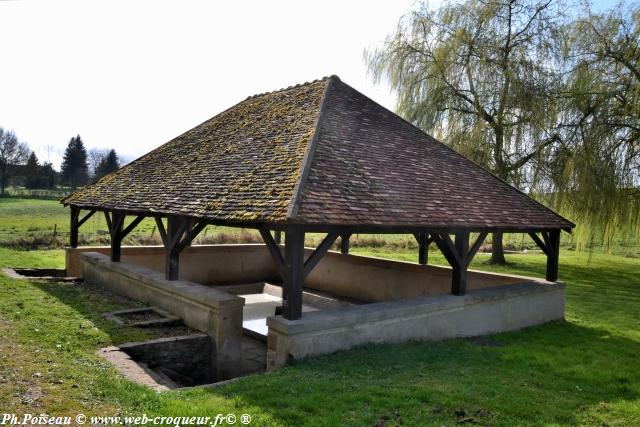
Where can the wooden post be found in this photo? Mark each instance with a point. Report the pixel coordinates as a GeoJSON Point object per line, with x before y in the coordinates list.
{"type": "Point", "coordinates": [424, 240]}
{"type": "Point", "coordinates": [277, 237]}
{"type": "Point", "coordinates": [553, 246]}
{"type": "Point", "coordinates": [179, 234]}
{"type": "Point", "coordinates": [73, 229]}
{"type": "Point", "coordinates": [115, 232]}
{"type": "Point", "coordinates": [459, 256]}
{"type": "Point", "coordinates": [293, 273]}
{"type": "Point", "coordinates": [550, 245]}
{"type": "Point", "coordinates": [176, 227]}
{"type": "Point", "coordinates": [293, 268]}
{"type": "Point", "coordinates": [344, 243]}
{"type": "Point", "coordinates": [459, 276]}
{"type": "Point", "coordinates": [423, 254]}
{"type": "Point", "coordinates": [423, 248]}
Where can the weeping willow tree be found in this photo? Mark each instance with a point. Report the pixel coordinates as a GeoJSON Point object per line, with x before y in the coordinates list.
{"type": "Point", "coordinates": [548, 102]}
{"type": "Point", "coordinates": [483, 77]}
{"type": "Point", "coordinates": [595, 175]}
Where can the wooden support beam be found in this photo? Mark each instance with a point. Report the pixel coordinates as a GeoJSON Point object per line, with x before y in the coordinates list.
{"type": "Point", "coordinates": [161, 230]}
{"type": "Point", "coordinates": [115, 223]}
{"type": "Point", "coordinates": [274, 250]}
{"type": "Point", "coordinates": [424, 240]}
{"type": "Point", "coordinates": [317, 255]}
{"type": "Point", "coordinates": [191, 232]}
{"type": "Point", "coordinates": [459, 275]}
{"type": "Point", "coordinates": [294, 273]}
{"type": "Point", "coordinates": [85, 218]}
{"type": "Point", "coordinates": [423, 251]}
{"type": "Point", "coordinates": [179, 234]}
{"type": "Point", "coordinates": [176, 228]}
{"type": "Point", "coordinates": [344, 243]}
{"type": "Point", "coordinates": [117, 231]}
{"type": "Point", "coordinates": [459, 256]}
{"type": "Point", "coordinates": [107, 218]}
{"type": "Point", "coordinates": [550, 245]}
{"type": "Point", "coordinates": [552, 241]}
{"type": "Point", "coordinates": [292, 267]}
{"type": "Point", "coordinates": [76, 223]}
{"type": "Point", "coordinates": [476, 246]}
{"type": "Point", "coordinates": [447, 247]}
{"type": "Point", "coordinates": [277, 237]}
{"type": "Point", "coordinates": [539, 242]}
{"type": "Point", "coordinates": [73, 226]}
{"type": "Point", "coordinates": [131, 226]}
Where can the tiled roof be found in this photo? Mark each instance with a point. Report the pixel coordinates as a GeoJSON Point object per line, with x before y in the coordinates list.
{"type": "Point", "coordinates": [317, 153]}
{"type": "Point", "coordinates": [242, 164]}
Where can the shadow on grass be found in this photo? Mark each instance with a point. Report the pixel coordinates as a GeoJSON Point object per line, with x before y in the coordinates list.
{"type": "Point", "coordinates": [92, 302]}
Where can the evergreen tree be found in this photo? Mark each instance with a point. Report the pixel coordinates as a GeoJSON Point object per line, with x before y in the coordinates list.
{"type": "Point", "coordinates": [32, 171]}
{"type": "Point", "coordinates": [108, 164]}
{"type": "Point", "coordinates": [48, 175]}
{"type": "Point", "coordinates": [74, 169]}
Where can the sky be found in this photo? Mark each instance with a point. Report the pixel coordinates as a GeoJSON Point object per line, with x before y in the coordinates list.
{"type": "Point", "coordinates": [131, 75]}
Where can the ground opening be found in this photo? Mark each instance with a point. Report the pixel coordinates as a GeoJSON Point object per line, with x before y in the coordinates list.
{"type": "Point", "coordinates": [180, 361]}
{"type": "Point", "coordinates": [55, 274]}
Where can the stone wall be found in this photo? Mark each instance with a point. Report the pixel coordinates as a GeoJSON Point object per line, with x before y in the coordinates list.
{"type": "Point", "coordinates": [479, 312]}
{"type": "Point", "coordinates": [362, 278]}
{"type": "Point", "coordinates": [217, 313]}
{"type": "Point", "coordinates": [188, 360]}
{"type": "Point", "coordinates": [205, 264]}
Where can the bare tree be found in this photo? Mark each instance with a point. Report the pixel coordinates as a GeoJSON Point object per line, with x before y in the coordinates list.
{"type": "Point", "coordinates": [94, 158]}
{"type": "Point", "coordinates": [12, 154]}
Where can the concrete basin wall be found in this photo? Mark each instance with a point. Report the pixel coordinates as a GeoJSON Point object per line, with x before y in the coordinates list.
{"type": "Point", "coordinates": [363, 278]}
{"type": "Point", "coordinates": [206, 264]}
{"type": "Point", "coordinates": [217, 313]}
{"type": "Point", "coordinates": [376, 279]}
{"type": "Point", "coordinates": [479, 312]}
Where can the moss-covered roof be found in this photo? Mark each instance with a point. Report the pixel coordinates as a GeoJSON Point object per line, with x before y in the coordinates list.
{"type": "Point", "coordinates": [242, 164]}
{"type": "Point", "coordinates": [316, 153]}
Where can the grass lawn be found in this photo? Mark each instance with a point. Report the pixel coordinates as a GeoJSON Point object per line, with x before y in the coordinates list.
{"type": "Point", "coordinates": [583, 371]}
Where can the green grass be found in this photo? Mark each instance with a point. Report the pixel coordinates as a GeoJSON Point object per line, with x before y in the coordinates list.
{"type": "Point", "coordinates": [30, 223]}
{"type": "Point", "coordinates": [583, 371]}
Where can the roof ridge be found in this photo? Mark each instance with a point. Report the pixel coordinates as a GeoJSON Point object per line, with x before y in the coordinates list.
{"type": "Point", "coordinates": [296, 197]}
{"type": "Point", "coordinates": [292, 87]}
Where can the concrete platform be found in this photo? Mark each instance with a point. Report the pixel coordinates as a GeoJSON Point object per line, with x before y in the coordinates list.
{"type": "Point", "coordinates": [258, 307]}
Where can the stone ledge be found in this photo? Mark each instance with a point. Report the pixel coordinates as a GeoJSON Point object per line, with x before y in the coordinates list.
{"type": "Point", "coordinates": [392, 310]}
{"type": "Point", "coordinates": [187, 290]}
{"type": "Point", "coordinates": [480, 312]}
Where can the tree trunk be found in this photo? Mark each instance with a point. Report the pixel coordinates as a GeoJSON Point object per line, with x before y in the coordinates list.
{"type": "Point", "coordinates": [497, 251]}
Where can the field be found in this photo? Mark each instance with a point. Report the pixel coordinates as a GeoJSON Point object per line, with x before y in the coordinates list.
{"type": "Point", "coordinates": [583, 371]}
